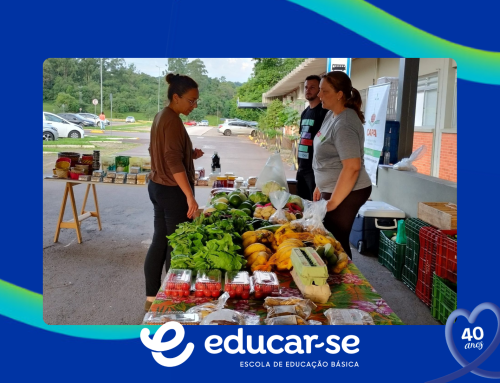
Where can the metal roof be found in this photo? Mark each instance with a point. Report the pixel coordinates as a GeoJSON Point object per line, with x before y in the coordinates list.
{"type": "Point", "coordinates": [251, 105]}
{"type": "Point", "coordinates": [297, 76]}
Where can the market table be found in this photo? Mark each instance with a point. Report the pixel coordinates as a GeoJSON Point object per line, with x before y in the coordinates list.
{"type": "Point", "coordinates": [75, 222]}
{"type": "Point", "coordinates": [350, 289]}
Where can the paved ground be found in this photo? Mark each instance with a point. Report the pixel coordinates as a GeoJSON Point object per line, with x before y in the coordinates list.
{"type": "Point", "coordinates": [101, 281]}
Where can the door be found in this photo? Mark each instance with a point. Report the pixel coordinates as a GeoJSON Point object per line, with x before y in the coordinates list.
{"type": "Point", "coordinates": [62, 126]}
{"type": "Point", "coordinates": [248, 129]}
{"type": "Point", "coordinates": [234, 127]}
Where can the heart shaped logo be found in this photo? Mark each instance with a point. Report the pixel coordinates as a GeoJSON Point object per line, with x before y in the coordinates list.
{"type": "Point", "coordinates": [471, 367]}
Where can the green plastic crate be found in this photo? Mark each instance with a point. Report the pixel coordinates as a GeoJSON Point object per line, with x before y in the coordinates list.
{"type": "Point", "coordinates": [391, 254]}
{"type": "Point", "coordinates": [444, 299]}
{"type": "Point", "coordinates": [410, 268]}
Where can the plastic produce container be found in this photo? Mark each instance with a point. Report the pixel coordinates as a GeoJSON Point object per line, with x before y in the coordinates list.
{"type": "Point", "coordinates": [444, 299]}
{"type": "Point", "coordinates": [391, 254]}
{"type": "Point", "coordinates": [265, 284]}
{"type": "Point", "coordinates": [208, 283]}
{"type": "Point", "coordinates": [427, 263]}
{"type": "Point", "coordinates": [237, 284]}
{"type": "Point", "coordinates": [177, 283]}
{"type": "Point", "coordinates": [412, 254]}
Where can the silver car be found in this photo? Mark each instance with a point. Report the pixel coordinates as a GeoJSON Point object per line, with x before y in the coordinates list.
{"type": "Point", "coordinates": [130, 119]}
{"type": "Point", "coordinates": [50, 133]}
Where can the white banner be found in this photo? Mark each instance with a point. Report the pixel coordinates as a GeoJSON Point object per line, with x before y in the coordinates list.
{"type": "Point", "coordinates": [375, 116]}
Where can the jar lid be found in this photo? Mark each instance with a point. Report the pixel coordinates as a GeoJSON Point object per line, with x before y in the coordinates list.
{"type": "Point", "coordinates": [231, 178]}
{"type": "Point", "coordinates": [221, 178]}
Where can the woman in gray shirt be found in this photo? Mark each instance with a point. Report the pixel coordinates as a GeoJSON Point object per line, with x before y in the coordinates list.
{"type": "Point", "coordinates": [338, 161]}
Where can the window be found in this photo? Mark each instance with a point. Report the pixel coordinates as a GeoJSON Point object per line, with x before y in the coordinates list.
{"type": "Point", "coordinates": [426, 105]}
{"type": "Point", "coordinates": [50, 117]}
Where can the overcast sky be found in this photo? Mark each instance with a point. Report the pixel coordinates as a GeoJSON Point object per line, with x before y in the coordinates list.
{"type": "Point", "coordinates": [237, 70]}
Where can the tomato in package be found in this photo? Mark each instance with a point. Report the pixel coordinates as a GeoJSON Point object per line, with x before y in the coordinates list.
{"type": "Point", "coordinates": [177, 283]}
{"type": "Point", "coordinates": [237, 284]}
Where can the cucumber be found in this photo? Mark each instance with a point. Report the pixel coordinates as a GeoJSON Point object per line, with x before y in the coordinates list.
{"type": "Point", "coordinates": [271, 228]}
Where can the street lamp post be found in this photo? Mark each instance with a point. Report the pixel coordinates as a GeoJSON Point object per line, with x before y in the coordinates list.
{"type": "Point", "coordinates": [158, 87]}
{"type": "Point", "coordinates": [101, 85]}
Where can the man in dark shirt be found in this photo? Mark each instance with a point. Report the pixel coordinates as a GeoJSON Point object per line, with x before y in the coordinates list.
{"type": "Point", "coordinates": [310, 124]}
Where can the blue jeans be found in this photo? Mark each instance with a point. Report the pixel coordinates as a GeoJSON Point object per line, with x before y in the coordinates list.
{"type": "Point", "coordinates": [102, 125]}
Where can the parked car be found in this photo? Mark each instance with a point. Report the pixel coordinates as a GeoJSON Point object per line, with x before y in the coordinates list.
{"type": "Point", "coordinates": [93, 117]}
{"type": "Point", "coordinates": [203, 123]}
{"type": "Point", "coordinates": [49, 132]}
{"type": "Point", "coordinates": [190, 123]}
{"type": "Point", "coordinates": [63, 126]}
{"type": "Point", "coordinates": [237, 127]}
{"type": "Point", "coordinates": [130, 119]}
{"type": "Point", "coordinates": [76, 119]}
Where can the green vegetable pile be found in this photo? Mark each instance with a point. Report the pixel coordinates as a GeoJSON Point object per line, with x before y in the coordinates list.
{"type": "Point", "coordinates": [211, 241]}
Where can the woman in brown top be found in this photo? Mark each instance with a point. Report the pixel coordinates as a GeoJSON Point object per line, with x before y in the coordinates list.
{"type": "Point", "coordinates": [171, 186]}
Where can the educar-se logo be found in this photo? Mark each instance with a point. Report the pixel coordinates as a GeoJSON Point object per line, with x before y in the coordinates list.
{"type": "Point", "coordinates": [238, 344]}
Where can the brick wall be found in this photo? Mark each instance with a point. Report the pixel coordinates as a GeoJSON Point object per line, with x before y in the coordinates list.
{"type": "Point", "coordinates": [448, 157]}
{"type": "Point", "coordinates": [424, 164]}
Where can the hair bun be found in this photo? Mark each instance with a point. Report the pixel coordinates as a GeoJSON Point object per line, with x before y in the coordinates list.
{"type": "Point", "coordinates": [170, 77]}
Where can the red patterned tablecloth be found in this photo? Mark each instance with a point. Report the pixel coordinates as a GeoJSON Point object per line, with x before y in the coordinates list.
{"type": "Point", "coordinates": [350, 289]}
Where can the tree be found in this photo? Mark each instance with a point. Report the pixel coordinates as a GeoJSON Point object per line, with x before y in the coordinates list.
{"type": "Point", "coordinates": [70, 103]}
{"type": "Point", "coordinates": [177, 66]}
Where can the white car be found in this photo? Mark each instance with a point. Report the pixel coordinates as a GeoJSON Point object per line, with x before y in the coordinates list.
{"type": "Point", "coordinates": [64, 127]}
{"type": "Point", "coordinates": [203, 123]}
{"type": "Point", "coordinates": [94, 118]}
{"type": "Point", "coordinates": [237, 127]}
{"type": "Point", "coordinates": [130, 119]}
{"type": "Point", "coordinates": [50, 133]}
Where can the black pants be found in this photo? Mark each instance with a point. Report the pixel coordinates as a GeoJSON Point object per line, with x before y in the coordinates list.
{"type": "Point", "coordinates": [339, 221]}
{"type": "Point", "coordinates": [305, 184]}
{"type": "Point", "coordinates": [170, 209]}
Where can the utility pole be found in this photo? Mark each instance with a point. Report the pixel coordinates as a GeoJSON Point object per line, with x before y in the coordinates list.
{"type": "Point", "coordinates": [158, 87]}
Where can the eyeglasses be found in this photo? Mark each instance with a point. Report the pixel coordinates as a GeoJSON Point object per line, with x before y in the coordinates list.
{"type": "Point", "coordinates": [192, 102]}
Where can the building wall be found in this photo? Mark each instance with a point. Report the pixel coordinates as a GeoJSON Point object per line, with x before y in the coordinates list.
{"type": "Point", "coordinates": [405, 190]}
{"type": "Point", "coordinates": [448, 161]}
{"type": "Point", "coordinates": [424, 164]}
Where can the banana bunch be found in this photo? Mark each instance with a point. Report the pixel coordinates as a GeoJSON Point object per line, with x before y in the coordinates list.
{"type": "Point", "coordinates": [286, 232]}
{"type": "Point", "coordinates": [254, 247]}
{"type": "Point", "coordinates": [281, 259]}
{"type": "Point", "coordinates": [320, 240]}
{"type": "Point", "coordinates": [341, 263]}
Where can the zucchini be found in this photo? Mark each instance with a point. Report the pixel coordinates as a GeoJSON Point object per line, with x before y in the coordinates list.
{"type": "Point", "coordinates": [272, 228]}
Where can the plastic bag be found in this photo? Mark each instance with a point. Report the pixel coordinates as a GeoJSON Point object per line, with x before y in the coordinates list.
{"type": "Point", "coordinates": [286, 320]}
{"type": "Point", "coordinates": [209, 307]}
{"type": "Point", "coordinates": [272, 177]}
{"type": "Point", "coordinates": [348, 317]}
{"type": "Point", "coordinates": [407, 163]}
{"type": "Point", "coordinates": [279, 199]}
{"type": "Point", "coordinates": [302, 311]}
{"type": "Point", "coordinates": [287, 301]}
{"type": "Point", "coordinates": [312, 221]}
{"type": "Point", "coordinates": [157, 319]}
{"type": "Point", "coordinates": [230, 317]}
{"type": "Point", "coordinates": [401, 235]}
